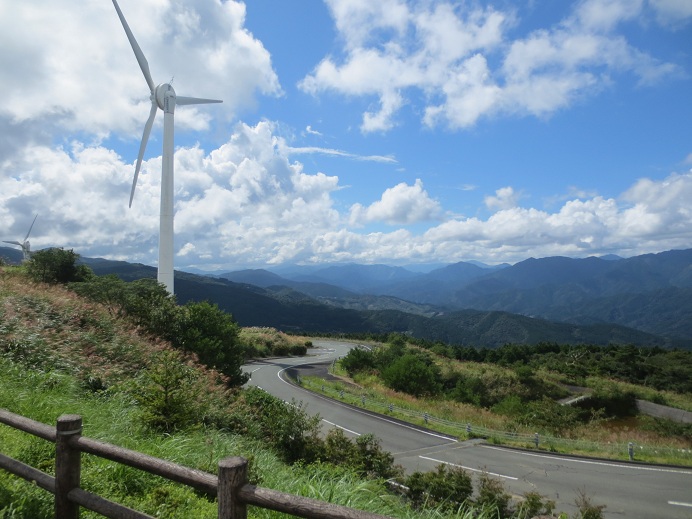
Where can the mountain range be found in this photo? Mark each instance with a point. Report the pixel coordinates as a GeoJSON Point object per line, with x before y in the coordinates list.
{"type": "Point", "coordinates": [644, 300]}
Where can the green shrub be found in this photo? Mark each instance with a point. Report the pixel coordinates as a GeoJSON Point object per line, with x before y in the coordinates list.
{"type": "Point", "coordinates": [446, 488]}
{"type": "Point", "coordinates": [533, 505]}
{"type": "Point", "coordinates": [492, 495]}
{"type": "Point", "coordinates": [57, 265]}
{"type": "Point", "coordinates": [374, 461]}
{"type": "Point", "coordinates": [212, 335]}
{"type": "Point", "coordinates": [411, 374]}
{"type": "Point", "coordinates": [365, 455]}
{"type": "Point", "coordinates": [358, 360]}
{"type": "Point", "coordinates": [292, 432]}
{"type": "Point", "coordinates": [280, 350]}
{"type": "Point", "coordinates": [170, 393]}
{"type": "Point", "coordinates": [298, 350]}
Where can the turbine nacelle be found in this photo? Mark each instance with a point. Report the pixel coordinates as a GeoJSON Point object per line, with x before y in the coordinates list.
{"type": "Point", "coordinates": [165, 97]}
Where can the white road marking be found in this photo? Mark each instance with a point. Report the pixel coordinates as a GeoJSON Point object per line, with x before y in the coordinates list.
{"type": "Point", "coordinates": [589, 462]}
{"type": "Point", "coordinates": [342, 428]}
{"type": "Point", "coordinates": [468, 468]}
{"type": "Point", "coordinates": [680, 503]}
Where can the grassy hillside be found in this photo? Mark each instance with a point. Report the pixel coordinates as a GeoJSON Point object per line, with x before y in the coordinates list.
{"type": "Point", "coordinates": [60, 353]}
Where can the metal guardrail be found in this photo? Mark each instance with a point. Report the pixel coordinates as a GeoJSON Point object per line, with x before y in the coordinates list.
{"type": "Point", "coordinates": [470, 430]}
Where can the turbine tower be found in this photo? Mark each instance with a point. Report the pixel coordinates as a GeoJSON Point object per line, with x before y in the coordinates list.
{"type": "Point", "coordinates": [25, 245]}
{"type": "Point", "coordinates": [164, 97]}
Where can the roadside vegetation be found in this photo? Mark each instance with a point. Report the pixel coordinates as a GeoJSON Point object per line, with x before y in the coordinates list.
{"type": "Point", "coordinates": [164, 379]}
{"type": "Point", "coordinates": [520, 388]}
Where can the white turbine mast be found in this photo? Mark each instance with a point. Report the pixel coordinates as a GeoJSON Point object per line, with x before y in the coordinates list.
{"type": "Point", "coordinates": [24, 244]}
{"type": "Point", "coordinates": [162, 96]}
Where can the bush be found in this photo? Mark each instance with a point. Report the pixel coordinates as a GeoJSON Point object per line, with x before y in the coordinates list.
{"type": "Point", "coordinates": [280, 350]}
{"type": "Point", "coordinates": [365, 455]}
{"type": "Point", "coordinates": [170, 393]}
{"type": "Point", "coordinates": [57, 265]}
{"type": "Point", "coordinates": [357, 360]}
{"type": "Point", "coordinates": [587, 510]}
{"type": "Point", "coordinates": [411, 374]}
{"type": "Point", "coordinates": [533, 505]}
{"type": "Point", "coordinates": [212, 335]}
{"type": "Point", "coordinates": [614, 401]}
{"type": "Point", "coordinates": [492, 495]}
{"type": "Point", "coordinates": [374, 461]}
{"type": "Point", "coordinates": [443, 487]}
{"type": "Point", "coordinates": [287, 427]}
{"type": "Point", "coordinates": [298, 350]}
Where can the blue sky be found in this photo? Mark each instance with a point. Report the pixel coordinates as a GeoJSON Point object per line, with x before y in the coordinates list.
{"type": "Point", "coordinates": [352, 131]}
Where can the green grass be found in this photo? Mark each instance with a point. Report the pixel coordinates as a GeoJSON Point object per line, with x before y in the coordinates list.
{"type": "Point", "coordinates": [607, 439]}
{"type": "Point", "coordinates": [112, 417]}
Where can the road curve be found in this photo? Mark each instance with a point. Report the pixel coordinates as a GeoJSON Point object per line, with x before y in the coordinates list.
{"type": "Point", "coordinates": [628, 490]}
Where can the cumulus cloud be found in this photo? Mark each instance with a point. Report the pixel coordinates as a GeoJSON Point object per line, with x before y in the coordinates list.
{"type": "Point", "coordinates": [465, 65]}
{"type": "Point", "coordinates": [92, 83]}
{"type": "Point", "coordinates": [505, 198]}
{"type": "Point", "coordinates": [399, 205]}
{"type": "Point", "coordinates": [247, 204]}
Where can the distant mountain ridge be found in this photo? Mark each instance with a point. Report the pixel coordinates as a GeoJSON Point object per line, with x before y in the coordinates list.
{"type": "Point", "coordinates": [643, 300]}
{"type": "Point", "coordinates": [652, 292]}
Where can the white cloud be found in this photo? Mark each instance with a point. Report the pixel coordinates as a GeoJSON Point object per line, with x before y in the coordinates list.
{"type": "Point", "coordinates": [399, 205]}
{"type": "Point", "coordinates": [247, 204]}
{"type": "Point", "coordinates": [302, 150]}
{"type": "Point", "coordinates": [672, 12]}
{"type": "Point", "coordinates": [73, 66]}
{"type": "Point", "coordinates": [505, 198]}
{"type": "Point", "coordinates": [604, 15]}
{"type": "Point", "coordinates": [465, 65]}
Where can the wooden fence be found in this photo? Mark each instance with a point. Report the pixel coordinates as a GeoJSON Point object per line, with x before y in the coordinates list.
{"type": "Point", "coordinates": [230, 487]}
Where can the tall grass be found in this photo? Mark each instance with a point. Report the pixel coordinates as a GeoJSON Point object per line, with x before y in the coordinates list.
{"type": "Point", "coordinates": [43, 396]}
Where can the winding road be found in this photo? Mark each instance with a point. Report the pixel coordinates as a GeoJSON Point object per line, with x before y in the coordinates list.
{"type": "Point", "coordinates": [628, 490]}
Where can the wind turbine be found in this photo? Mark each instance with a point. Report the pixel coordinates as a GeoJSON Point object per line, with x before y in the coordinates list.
{"type": "Point", "coordinates": [164, 97]}
{"type": "Point", "coordinates": [25, 245]}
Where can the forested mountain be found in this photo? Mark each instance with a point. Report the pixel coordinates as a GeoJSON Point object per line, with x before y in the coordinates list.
{"type": "Point", "coordinates": [291, 310]}
{"type": "Point", "coordinates": [652, 292]}
{"type": "Point", "coordinates": [643, 300]}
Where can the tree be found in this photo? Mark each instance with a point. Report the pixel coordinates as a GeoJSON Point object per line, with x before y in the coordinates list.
{"type": "Point", "coordinates": [57, 265]}
{"type": "Point", "coordinates": [170, 393]}
{"type": "Point", "coordinates": [149, 305]}
{"type": "Point", "coordinates": [411, 374]}
{"type": "Point", "coordinates": [358, 359]}
{"type": "Point", "coordinates": [212, 335]}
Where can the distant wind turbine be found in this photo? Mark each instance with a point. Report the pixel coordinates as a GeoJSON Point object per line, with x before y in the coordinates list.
{"type": "Point", "coordinates": [25, 245]}
{"type": "Point", "coordinates": [163, 97]}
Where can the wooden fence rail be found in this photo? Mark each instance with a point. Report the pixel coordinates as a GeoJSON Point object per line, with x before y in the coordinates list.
{"type": "Point", "coordinates": [231, 487]}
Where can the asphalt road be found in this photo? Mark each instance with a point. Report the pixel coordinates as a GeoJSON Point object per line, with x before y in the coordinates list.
{"type": "Point", "coordinates": [628, 490]}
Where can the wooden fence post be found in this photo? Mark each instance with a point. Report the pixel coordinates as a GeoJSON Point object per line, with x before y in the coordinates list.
{"type": "Point", "coordinates": [67, 465]}
{"type": "Point", "coordinates": [232, 476]}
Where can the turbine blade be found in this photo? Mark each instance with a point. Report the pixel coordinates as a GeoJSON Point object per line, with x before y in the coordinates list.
{"type": "Point", "coordinates": [143, 64]}
{"type": "Point", "coordinates": [183, 100]}
{"type": "Point", "coordinates": [13, 242]}
{"type": "Point", "coordinates": [32, 226]}
{"type": "Point", "coordinates": [143, 145]}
